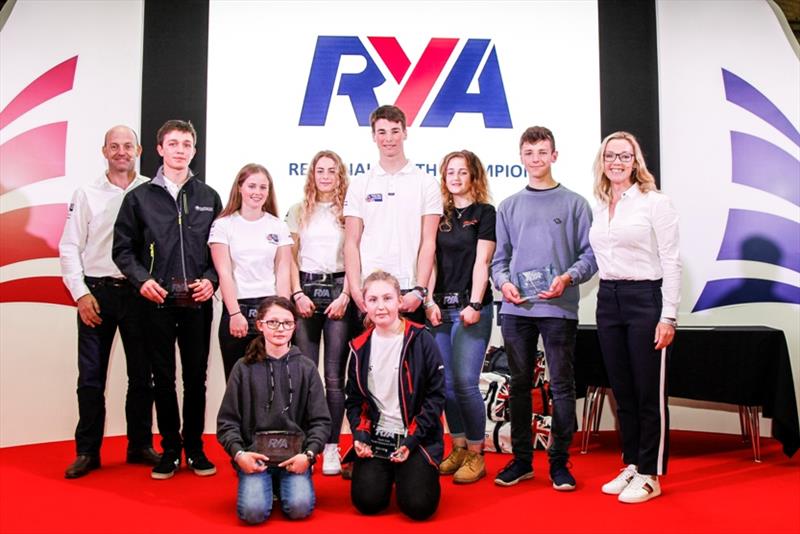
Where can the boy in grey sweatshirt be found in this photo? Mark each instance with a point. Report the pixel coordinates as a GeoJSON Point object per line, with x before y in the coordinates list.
{"type": "Point", "coordinates": [542, 255]}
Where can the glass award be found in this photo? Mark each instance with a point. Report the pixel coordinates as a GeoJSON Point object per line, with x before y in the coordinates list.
{"type": "Point", "coordinates": [384, 443]}
{"type": "Point", "coordinates": [278, 445]}
{"type": "Point", "coordinates": [250, 313]}
{"type": "Point", "coordinates": [322, 293]}
{"type": "Point", "coordinates": [533, 281]}
{"type": "Point", "coordinates": [179, 294]}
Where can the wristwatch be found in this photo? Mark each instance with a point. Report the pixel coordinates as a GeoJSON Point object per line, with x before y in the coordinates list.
{"type": "Point", "coordinates": [421, 292]}
{"type": "Point", "coordinates": [312, 458]}
{"type": "Point", "coordinates": [477, 306]}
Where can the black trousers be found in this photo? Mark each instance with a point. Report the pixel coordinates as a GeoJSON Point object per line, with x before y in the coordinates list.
{"type": "Point", "coordinates": [627, 315]}
{"type": "Point", "coordinates": [233, 348]}
{"type": "Point", "coordinates": [120, 307]}
{"type": "Point", "coordinates": [191, 328]}
{"type": "Point", "coordinates": [416, 480]}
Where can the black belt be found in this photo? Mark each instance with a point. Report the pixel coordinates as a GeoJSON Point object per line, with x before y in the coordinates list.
{"type": "Point", "coordinates": [109, 281]}
{"type": "Point", "coordinates": [631, 283]}
{"type": "Point", "coordinates": [451, 301]}
{"type": "Point", "coordinates": [320, 277]}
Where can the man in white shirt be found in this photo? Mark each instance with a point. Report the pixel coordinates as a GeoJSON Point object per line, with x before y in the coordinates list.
{"type": "Point", "coordinates": [106, 301]}
{"type": "Point", "coordinates": [391, 217]}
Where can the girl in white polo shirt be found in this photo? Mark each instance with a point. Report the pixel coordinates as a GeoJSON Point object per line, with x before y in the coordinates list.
{"type": "Point", "coordinates": [319, 287]}
{"type": "Point", "coordinates": [251, 250]}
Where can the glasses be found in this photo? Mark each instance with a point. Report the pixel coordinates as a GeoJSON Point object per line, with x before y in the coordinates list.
{"type": "Point", "coordinates": [274, 325]}
{"type": "Point", "coordinates": [624, 157]}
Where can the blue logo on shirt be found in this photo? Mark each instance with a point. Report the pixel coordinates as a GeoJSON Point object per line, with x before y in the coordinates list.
{"type": "Point", "coordinates": [374, 197]}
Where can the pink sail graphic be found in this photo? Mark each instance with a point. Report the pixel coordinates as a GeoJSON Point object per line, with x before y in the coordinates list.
{"type": "Point", "coordinates": [35, 155]}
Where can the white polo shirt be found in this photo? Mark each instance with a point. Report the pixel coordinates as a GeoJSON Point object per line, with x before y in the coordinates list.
{"type": "Point", "coordinates": [391, 207]}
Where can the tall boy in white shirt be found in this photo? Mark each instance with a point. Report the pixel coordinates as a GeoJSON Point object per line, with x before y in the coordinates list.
{"type": "Point", "coordinates": [391, 217]}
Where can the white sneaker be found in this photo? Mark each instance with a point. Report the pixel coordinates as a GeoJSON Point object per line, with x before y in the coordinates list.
{"type": "Point", "coordinates": [331, 465]}
{"type": "Point", "coordinates": [642, 488]}
{"type": "Point", "coordinates": [621, 482]}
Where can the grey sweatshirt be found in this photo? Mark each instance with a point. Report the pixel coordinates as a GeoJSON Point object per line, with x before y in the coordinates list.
{"type": "Point", "coordinates": [246, 406]}
{"type": "Point", "coordinates": [537, 228]}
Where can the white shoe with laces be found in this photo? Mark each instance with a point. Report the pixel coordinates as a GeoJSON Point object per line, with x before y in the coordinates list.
{"type": "Point", "coordinates": [642, 488]}
{"type": "Point", "coordinates": [615, 487]}
{"type": "Point", "coordinates": [331, 464]}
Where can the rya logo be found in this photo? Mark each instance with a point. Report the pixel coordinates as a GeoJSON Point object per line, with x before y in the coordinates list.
{"type": "Point", "coordinates": [477, 62]}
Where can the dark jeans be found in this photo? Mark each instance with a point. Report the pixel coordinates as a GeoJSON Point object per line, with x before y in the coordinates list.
{"type": "Point", "coordinates": [417, 483]}
{"type": "Point", "coordinates": [120, 307]}
{"type": "Point", "coordinates": [233, 348]}
{"type": "Point", "coordinates": [336, 335]}
{"type": "Point", "coordinates": [627, 315]}
{"type": "Point", "coordinates": [521, 336]}
{"type": "Point", "coordinates": [191, 327]}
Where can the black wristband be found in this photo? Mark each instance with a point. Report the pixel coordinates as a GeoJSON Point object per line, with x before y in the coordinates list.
{"type": "Point", "coordinates": [292, 298]}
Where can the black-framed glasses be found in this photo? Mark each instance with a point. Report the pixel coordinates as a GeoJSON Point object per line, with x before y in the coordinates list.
{"type": "Point", "coordinates": [624, 157]}
{"type": "Point", "coordinates": [274, 325]}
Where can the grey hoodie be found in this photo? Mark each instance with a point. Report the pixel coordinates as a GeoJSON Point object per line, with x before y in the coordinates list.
{"type": "Point", "coordinates": [250, 405]}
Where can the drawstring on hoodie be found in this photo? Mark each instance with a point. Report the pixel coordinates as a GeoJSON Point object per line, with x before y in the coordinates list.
{"type": "Point", "coordinates": [271, 375]}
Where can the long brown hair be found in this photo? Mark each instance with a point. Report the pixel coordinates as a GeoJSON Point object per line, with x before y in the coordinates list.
{"type": "Point", "coordinates": [257, 349]}
{"type": "Point", "coordinates": [640, 175]}
{"type": "Point", "coordinates": [479, 184]}
{"type": "Point", "coordinates": [310, 189]}
{"type": "Point", "coordinates": [235, 198]}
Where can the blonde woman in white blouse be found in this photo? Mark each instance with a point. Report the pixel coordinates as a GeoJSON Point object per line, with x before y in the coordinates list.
{"type": "Point", "coordinates": [634, 236]}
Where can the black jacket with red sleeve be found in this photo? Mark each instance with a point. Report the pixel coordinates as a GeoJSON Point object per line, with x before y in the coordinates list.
{"type": "Point", "coordinates": [420, 387]}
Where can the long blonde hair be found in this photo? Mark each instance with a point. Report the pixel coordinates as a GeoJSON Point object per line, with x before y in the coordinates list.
{"type": "Point", "coordinates": [640, 175]}
{"type": "Point", "coordinates": [310, 189]}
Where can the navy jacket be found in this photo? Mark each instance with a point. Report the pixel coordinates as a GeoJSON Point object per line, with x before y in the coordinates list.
{"type": "Point", "coordinates": [420, 386]}
{"type": "Point", "coordinates": [158, 237]}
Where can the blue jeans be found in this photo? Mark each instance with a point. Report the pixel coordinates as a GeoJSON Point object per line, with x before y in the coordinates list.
{"type": "Point", "coordinates": [337, 335]}
{"type": "Point", "coordinates": [521, 336]}
{"type": "Point", "coordinates": [463, 349]}
{"type": "Point", "coordinates": [254, 495]}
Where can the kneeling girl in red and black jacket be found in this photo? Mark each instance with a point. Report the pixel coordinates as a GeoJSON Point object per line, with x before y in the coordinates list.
{"type": "Point", "coordinates": [395, 397]}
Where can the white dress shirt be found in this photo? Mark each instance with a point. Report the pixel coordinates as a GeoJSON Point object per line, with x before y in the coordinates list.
{"type": "Point", "coordinates": [640, 243]}
{"type": "Point", "coordinates": [85, 247]}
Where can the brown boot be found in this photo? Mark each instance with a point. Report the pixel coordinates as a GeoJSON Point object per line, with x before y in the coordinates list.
{"type": "Point", "coordinates": [453, 462]}
{"type": "Point", "coordinates": [472, 470]}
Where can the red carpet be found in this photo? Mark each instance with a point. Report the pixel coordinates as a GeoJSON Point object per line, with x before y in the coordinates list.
{"type": "Point", "coordinates": [713, 486]}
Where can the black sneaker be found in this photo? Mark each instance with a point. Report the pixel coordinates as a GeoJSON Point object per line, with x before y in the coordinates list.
{"type": "Point", "coordinates": [201, 466]}
{"type": "Point", "coordinates": [168, 466]}
{"type": "Point", "coordinates": [514, 472]}
{"type": "Point", "coordinates": [147, 456]}
{"type": "Point", "coordinates": [561, 477]}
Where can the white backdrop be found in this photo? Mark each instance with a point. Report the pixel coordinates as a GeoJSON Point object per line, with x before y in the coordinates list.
{"type": "Point", "coordinates": [696, 121]}
{"type": "Point", "coordinates": [259, 63]}
{"type": "Point", "coordinates": [38, 342]}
